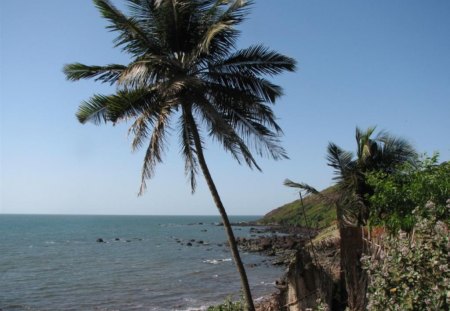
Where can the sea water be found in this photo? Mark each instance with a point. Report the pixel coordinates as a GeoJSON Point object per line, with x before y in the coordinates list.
{"type": "Point", "coordinates": [51, 262]}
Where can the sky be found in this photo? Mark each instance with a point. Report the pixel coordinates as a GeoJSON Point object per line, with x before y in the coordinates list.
{"type": "Point", "coordinates": [360, 63]}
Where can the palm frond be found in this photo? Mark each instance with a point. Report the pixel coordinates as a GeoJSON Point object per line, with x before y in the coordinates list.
{"type": "Point", "coordinates": [310, 190]}
{"type": "Point", "coordinates": [251, 84]}
{"type": "Point", "coordinates": [141, 130]}
{"type": "Point", "coordinates": [94, 109]}
{"type": "Point", "coordinates": [108, 73]}
{"type": "Point", "coordinates": [250, 118]}
{"type": "Point", "coordinates": [143, 10]}
{"type": "Point", "coordinates": [132, 36]}
{"type": "Point", "coordinates": [364, 142]}
{"type": "Point", "coordinates": [155, 148]}
{"type": "Point", "coordinates": [224, 133]}
{"type": "Point", "coordinates": [220, 35]}
{"type": "Point", "coordinates": [188, 150]}
{"type": "Point", "coordinates": [395, 151]}
{"type": "Point", "coordinates": [258, 136]}
{"type": "Point", "coordinates": [340, 160]}
{"type": "Point", "coordinates": [257, 60]}
{"type": "Point", "coordinates": [131, 103]}
{"type": "Point", "coordinates": [228, 100]}
{"type": "Point", "coordinates": [302, 186]}
{"type": "Point", "coordinates": [144, 71]}
{"type": "Point", "coordinates": [124, 104]}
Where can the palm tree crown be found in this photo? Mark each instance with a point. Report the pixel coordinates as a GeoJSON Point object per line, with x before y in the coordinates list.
{"type": "Point", "coordinates": [384, 152]}
{"type": "Point", "coordinates": [184, 60]}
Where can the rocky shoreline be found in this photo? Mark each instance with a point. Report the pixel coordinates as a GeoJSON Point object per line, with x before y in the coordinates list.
{"type": "Point", "coordinates": [310, 272]}
{"type": "Point", "coordinates": [279, 242]}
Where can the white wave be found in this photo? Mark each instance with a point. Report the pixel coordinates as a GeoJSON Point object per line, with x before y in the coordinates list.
{"type": "Point", "coordinates": [216, 261]}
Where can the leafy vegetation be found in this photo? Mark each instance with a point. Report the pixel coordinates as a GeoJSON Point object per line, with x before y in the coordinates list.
{"type": "Point", "coordinates": [382, 153]}
{"type": "Point", "coordinates": [228, 305]}
{"type": "Point", "coordinates": [413, 273]}
{"type": "Point", "coordinates": [396, 195]}
{"type": "Point", "coordinates": [320, 214]}
{"type": "Point", "coordinates": [411, 270]}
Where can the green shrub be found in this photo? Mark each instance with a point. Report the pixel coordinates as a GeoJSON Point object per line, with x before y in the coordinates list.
{"type": "Point", "coordinates": [397, 194]}
{"type": "Point", "coordinates": [413, 273]}
{"type": "Point", "coordinates": [229, 305]}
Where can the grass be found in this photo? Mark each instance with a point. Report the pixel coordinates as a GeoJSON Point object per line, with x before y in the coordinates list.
{"type": "Point", "coordinates": [228, 305]}
{"type": "Point", "coordinates": [319, 214]}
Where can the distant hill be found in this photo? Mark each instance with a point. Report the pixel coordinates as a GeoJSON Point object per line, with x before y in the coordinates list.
{"type": "Point", "coordinates": [318, 213]}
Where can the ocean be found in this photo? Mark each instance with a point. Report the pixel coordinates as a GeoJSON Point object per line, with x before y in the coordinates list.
{"type": "Point", "coordinates": [54, 262]}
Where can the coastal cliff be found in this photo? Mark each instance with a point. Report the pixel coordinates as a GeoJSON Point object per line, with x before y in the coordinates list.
{"type": "Point", "coordinates": [313, 275]}
{"type": "Point", "coordinates": [312, 267]}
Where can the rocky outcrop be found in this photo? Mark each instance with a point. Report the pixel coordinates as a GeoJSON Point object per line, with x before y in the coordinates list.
{"type": "Point", "coordinates": [282, 243]}
{"type": "Point", "coordinates": [283, 248]}
{"type": "Point", "coordinates": [315, 273]}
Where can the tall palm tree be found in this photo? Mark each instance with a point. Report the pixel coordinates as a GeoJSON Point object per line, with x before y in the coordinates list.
{"type": "Point", "coordinates": [185, 68]}
{"type": "Point", "coordinates": [383, 152]}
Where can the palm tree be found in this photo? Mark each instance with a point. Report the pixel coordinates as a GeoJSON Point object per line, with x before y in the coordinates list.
{"type": "Point", "coordinates": [381, 153]}
{"type": "Point", "coordinates": [185, 68]}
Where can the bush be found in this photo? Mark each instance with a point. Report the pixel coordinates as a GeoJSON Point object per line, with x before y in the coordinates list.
{"type": "Point", "coordinates": [413, 271]}
{"type": "Point", "coordinates": [397, 194]}
{"type": "Point", "coordinates": [229, 305]}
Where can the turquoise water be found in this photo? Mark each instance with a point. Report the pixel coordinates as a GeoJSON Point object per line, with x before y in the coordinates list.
{"type": "Point", "coordinates": [55, 263]}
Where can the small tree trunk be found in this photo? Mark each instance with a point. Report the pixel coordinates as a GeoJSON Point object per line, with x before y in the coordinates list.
{"type": "Point", "coordinates": [352, 247]}
{"type": "Point", "coordinates": [223, 214]}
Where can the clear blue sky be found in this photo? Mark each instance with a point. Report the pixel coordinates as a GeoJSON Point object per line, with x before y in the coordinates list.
{"type": "Point", "coordinates": [384, 63]}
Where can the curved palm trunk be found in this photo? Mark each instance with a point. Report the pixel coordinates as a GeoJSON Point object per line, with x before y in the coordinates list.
{"type": "Point", "coordinates": [226, 222]}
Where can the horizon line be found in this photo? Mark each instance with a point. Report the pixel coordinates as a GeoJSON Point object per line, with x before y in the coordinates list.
{"type": "Point", "coordinates": [162, 215]}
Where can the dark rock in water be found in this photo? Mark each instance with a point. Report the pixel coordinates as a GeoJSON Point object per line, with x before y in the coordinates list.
{"type": "Point", "coordinates": [116, 239]}
{"type": "Point", "coordinates": [220, 245]}
{"type": "Point", "coordinates": [255, 230]}
{"type": "Point", "coordinates": [193, 240]}
{"type": "Point", "coordinates": [189, 244]}
{"type": "Point", "coordinates": [283, 247]}
{"type": "Point", "coordinates": [100, 240]}
{"type": "Point", "coordinates": [200, 242]}
{"type": "Point", "coordinates": [200, 223]}
{"type": "Point", "coordinates": [128, 241]}
{"type": "Point", "coordinates": [203, 230]}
